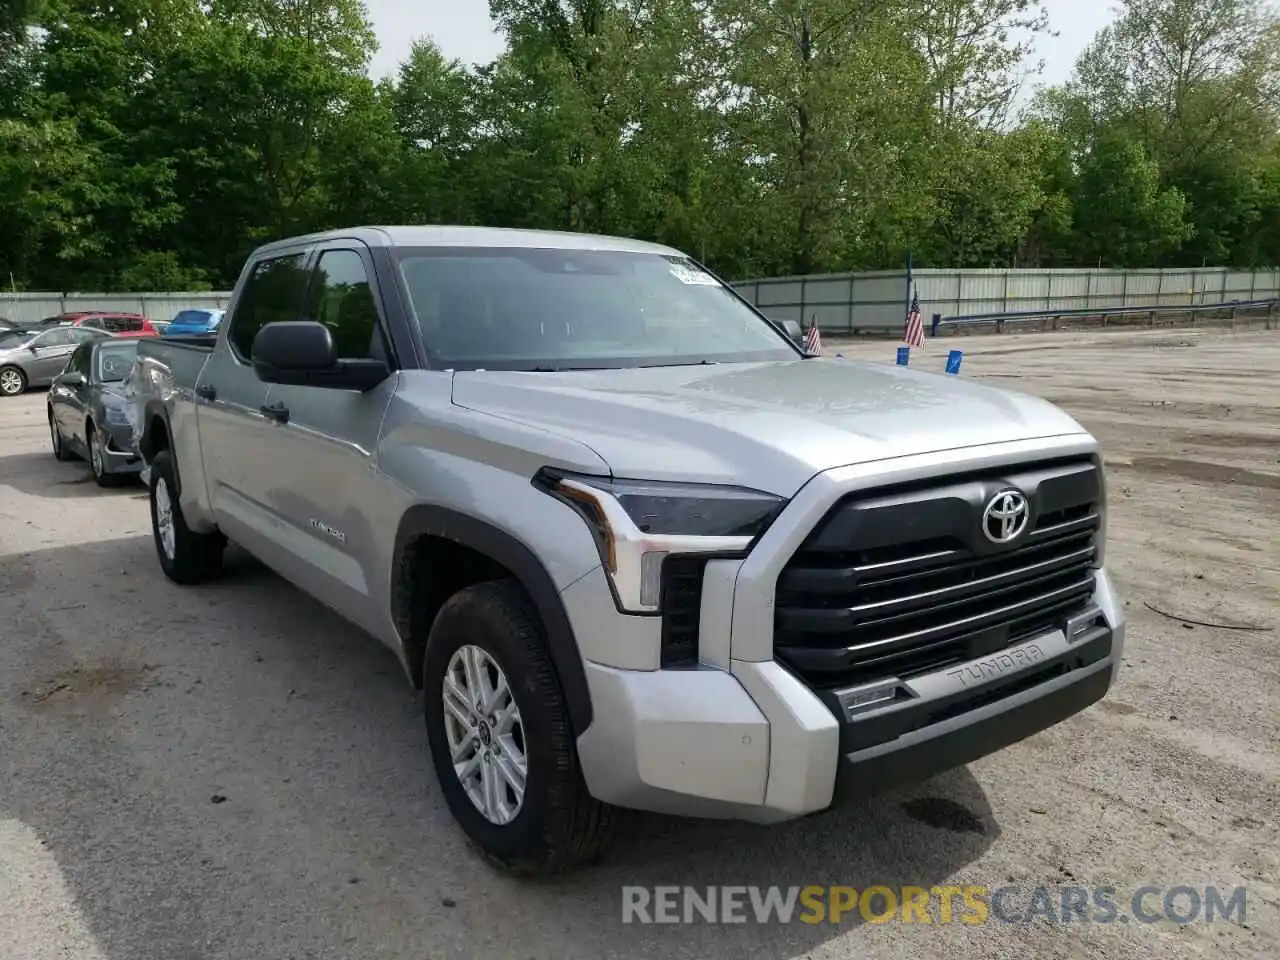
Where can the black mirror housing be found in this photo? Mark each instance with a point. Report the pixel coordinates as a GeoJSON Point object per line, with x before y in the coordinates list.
{"type": "Point", "coordinates": [299, 346]}
{"type": "Point", "coordinates": [302, 353]}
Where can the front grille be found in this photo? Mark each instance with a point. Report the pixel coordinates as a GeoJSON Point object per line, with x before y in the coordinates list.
{"type": "Point", "coordinates": [901, 581]}
{"type": "Point", "coordinates": [681, 609]}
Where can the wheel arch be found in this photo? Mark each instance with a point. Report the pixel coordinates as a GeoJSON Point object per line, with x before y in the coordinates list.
{"type": "Point", "coordinates": [157, 436]}
{"type": "Point", "coordinates": [423, 524]}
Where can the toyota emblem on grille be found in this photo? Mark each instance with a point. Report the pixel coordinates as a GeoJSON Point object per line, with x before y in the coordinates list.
{"type": "Point", "coordinates": [1005, 516]}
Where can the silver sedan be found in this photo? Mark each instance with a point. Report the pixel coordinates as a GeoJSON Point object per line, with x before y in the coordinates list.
{"type": "Point", "coordinates": [87, 415]}
{"type": "Point", "coordinates": [32, 358]}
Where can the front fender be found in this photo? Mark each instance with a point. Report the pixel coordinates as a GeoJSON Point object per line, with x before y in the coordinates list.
{"type": "Point", "coordinates": [483, 537]}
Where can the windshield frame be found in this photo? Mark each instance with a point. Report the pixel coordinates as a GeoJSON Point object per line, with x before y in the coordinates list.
{"type": "Point", "coordinates": [105, 346]}
{"type": "Point", "coordinates": [787, 349]}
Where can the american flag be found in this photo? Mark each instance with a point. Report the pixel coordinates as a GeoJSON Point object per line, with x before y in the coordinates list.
{"type": "Point", "coordinates": [813, 339]}
{"type": "Point", "coordinates": [914, 334]}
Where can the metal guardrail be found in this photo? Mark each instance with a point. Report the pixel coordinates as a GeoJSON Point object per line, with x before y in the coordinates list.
{"type": "Point", "coordinates": [1233, 309]}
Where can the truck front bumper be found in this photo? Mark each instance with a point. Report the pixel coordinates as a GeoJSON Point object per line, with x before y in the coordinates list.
{"type": "Point", "coordinates": [755, 743]}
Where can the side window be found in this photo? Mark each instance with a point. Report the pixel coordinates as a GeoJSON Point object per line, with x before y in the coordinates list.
{"type": "Point", "coordinates": [272, 294]}
{"type": "Point", "coordinates": [95, 323]}
{"type": "Point", "coordinates": [132, 323]}
{"type": "Point", "coordinates": [114, 324]}
{"type": "Point", "coordinates": [341, 299]}
{"type": "Point", "coordinates": [58, 337]}
{"type": "Point", "coordinates": [79, 362]}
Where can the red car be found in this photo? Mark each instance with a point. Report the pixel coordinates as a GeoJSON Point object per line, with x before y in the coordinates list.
{"type": "Point", "coordinates": [119, 324]}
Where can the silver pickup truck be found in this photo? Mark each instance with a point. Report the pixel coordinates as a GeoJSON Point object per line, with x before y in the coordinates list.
{"type": "Point", "coordinates": [635, 547]}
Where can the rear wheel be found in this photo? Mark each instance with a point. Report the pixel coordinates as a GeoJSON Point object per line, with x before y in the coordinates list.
{"type": "Point", "coordinates": [60, 451]}
{"type": "Point", "coordinates": [500, 738]}
{"type": "Point", "coordinates": [12, 381]}
{"type": "Point", "coordinates": [185, 556]}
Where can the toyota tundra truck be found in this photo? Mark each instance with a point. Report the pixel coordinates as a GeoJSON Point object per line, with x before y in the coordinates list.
{"type": "Point", "coordinates": [634, 546]}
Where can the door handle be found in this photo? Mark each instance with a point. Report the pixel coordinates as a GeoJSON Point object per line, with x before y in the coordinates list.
{"type": "Point", "coordinates": [275, 411]}
{"type": "Point", "coordinates": [206, 391]}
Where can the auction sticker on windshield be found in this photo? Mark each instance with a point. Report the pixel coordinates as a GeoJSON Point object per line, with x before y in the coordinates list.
{"type": "Point", "coordinates": [689, 274]}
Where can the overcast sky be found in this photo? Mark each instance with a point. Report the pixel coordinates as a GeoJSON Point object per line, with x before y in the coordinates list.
{"type": "Point", "coordinates": [462, 29]}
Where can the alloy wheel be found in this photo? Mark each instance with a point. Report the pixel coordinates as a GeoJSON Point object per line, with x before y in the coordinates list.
{"type": "Point", "coordinates": [485, 734]}
{"type": "Point", "coordinates": [164, 517]}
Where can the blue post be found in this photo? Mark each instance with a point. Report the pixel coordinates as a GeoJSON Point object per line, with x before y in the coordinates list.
{"type": "Point", "coordinates": [933, 327]}
{"type": "Point", "coordinates": [953, 361]}
{"type": "Point", "coordinates": [904, 355]}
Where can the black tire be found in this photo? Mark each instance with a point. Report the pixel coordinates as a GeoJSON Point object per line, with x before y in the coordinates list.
{"type": "Point", "coordinates": [559, 825]}
{"type": "Point", "coordinates": [195, 557]}
{"type": "Point", "coordinates": [60, 451]}
{"type": "Point", "coordinates": [13, 382]}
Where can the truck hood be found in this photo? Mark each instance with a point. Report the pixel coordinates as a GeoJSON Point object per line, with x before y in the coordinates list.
{"type": "Point", "coordinates": [770, 426]}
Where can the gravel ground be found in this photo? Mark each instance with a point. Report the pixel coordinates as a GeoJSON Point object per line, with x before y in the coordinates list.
{"type": "Point", "coordinates": [231, 772]}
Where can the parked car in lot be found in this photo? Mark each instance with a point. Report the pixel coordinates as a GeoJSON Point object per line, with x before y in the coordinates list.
{"type": "Point", "coordinates": [118, 324]}
{"type": "Point", "coordinates": [87, 416]}
{"type": "Point", "coordinates": [32, 358]}
{"type": "Point", "coordinates": [188, 322]}
{"type": "Point", "coordinates": [636, 548]}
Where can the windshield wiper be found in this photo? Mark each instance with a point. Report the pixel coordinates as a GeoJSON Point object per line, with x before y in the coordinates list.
{"type": "Point", "coordinates": [683, 363]}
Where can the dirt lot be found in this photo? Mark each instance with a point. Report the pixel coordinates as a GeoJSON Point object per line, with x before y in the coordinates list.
{"type": "Point", "coordinates": [230, 772]}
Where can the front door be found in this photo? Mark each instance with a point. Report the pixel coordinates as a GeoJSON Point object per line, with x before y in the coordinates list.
{"type": "Point", "coordinates": [49, 354]}
{"type": "Point", "coordinates": [329, 492]}
{"type": "Point", "coordinates": [68, 400]}
{"type": "Point", "coordinates": [237, 442]}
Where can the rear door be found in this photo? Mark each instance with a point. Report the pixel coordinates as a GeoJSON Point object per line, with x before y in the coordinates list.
{"type": "Point", "coordinates": [328, 491]}
{"type": "Point", "coordinates": [238, 444]}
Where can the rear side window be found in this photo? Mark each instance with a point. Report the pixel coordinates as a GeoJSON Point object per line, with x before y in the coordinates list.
{"type": "Point", "coordinates": [272, 294]}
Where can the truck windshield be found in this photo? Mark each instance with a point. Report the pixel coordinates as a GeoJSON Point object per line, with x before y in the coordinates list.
{"type": "Point", "coordinates": [537, 309]}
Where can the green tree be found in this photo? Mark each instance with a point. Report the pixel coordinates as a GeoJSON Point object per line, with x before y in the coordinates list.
{"type": "Point", "coordinates": [1123, 217]}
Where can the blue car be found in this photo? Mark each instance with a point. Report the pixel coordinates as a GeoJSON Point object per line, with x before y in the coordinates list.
{"type": "Point", "coordinates": [188, 322]}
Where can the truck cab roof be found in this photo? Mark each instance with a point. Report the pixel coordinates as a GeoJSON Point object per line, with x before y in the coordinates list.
{"type": "Point", "coordinates": [457, 236]}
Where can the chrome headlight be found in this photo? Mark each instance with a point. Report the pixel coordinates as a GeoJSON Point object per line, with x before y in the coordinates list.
{"type": "Point", "coordinates": [637, 524]}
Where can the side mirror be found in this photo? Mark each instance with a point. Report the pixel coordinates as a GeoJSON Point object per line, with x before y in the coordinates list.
{"type": "Point", "coordinates": [302, 353]}
{"type": "Point", "coordinates": [71, 379]}
{"type": "Point", "coordinates": [793, 330]}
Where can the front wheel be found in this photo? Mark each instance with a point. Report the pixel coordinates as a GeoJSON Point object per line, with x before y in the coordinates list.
{"type": "Point", "coordinates": [60, 451]}
{"type": "Point", "coordinates": [12, 382]}
{"type": "Point", "coordinates": [500, 738]}
{"type": "Point", "coordinates": [97, 445]}
{"type": "Point", "coordinates": [185, 556]}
